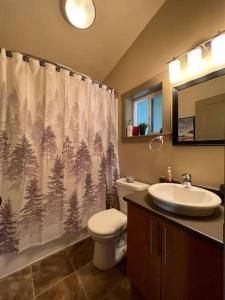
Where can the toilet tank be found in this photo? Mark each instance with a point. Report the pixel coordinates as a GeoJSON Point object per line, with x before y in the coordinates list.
{"type": "Point", "coordinates": [125, 188]}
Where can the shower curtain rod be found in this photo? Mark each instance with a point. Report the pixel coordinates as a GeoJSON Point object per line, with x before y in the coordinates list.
{"type": "Point", "coordinates": [58, 66]}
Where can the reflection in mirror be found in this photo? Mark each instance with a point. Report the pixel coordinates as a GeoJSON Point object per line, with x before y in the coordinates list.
{"type": "Point", "coordinates": [143, 112]}
{"type": "Point", "coordinates": [199, 110]}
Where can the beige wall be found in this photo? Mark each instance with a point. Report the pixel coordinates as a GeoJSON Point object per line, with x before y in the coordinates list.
{"type": "Point", "coordinates": [177, 27]}
{"type": "Point", "coordinates": [37, 27]}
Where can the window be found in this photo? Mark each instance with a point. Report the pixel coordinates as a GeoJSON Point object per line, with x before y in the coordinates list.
{"type": "Point", "coordinates": [142, 110]}
{"type": "Point", "coordinates": [157, 114]}
{"type": "Point", "coordinates": [148, 110]}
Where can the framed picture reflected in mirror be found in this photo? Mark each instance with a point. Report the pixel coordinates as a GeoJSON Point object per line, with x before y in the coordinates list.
{"type": "Point", "coordinates": [186, 129]}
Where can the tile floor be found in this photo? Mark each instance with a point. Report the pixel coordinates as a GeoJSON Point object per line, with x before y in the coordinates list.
{"type": "Point", "coordinates": [67, 275]}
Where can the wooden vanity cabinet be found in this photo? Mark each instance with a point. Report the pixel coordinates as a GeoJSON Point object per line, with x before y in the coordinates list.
{"type": "Point", "coordinates": [192, 267]}
{"type": "Point", "coordinates": [144, 252]}
{"type": "Point", "coordinates": [169, 263]}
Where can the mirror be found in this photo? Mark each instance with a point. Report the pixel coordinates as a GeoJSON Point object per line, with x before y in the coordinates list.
{"type": "Point", "coordinates": [199, 111]}
{"type": "Point", "coordinates": [142, 111]}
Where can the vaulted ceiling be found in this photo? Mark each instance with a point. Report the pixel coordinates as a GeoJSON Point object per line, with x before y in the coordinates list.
{"type": "Point", "coordinates": [37, 27]}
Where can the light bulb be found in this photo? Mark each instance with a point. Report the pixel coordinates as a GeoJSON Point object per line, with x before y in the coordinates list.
{"type": "Point", "coordinates": [195, 64]}
{"type": "Point", "coordinates": [218, 50]}
{"type": "Point", "coordinates": [80, 13]}
{"type": "Point", "coordinates": [174, 70]}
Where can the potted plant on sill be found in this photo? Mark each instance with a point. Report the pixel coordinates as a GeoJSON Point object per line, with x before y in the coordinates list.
{"type": "Point", "coordinates": [142, 127]}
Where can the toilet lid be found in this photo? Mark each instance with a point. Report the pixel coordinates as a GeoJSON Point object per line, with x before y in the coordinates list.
{"type": "Point", "coordinates": [107, 221]}
{"type": "Point", "coordinates": [136, 185]}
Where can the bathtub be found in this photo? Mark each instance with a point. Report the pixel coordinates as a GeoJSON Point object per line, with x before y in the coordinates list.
{"type": "Point", "coordinates": [13, 262]}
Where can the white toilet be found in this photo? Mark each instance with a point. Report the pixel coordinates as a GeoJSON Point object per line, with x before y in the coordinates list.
{"type": "Point", "coordinates": [107, 228]}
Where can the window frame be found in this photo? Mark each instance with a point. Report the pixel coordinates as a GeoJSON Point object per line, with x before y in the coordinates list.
{"type": "Point", "coordinates": [141, 91]}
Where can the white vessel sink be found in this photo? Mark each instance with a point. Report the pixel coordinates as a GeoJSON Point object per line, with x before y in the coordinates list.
{"type": "Point", "coordinates": [188, 201]}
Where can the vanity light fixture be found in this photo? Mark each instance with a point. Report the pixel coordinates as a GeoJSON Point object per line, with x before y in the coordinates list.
{"type": "Point", "coordinates": [194, 58]}
{"type": "Point", "coordinates": [79, 13]}
{"type": "Point", "coordinates": [195, 62]}
{"type": "Point", "coordinates": [174, 70]}
{"type": "Point", "coordinates": [218, 50]}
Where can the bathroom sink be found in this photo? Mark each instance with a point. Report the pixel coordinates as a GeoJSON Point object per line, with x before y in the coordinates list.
{"type": "Point", "coordinates": [188, 201]}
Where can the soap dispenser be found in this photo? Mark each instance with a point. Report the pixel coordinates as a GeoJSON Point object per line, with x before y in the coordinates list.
{"type": "Point", "coordinates": [129, 129]}
{"type": "Point", "coordinates": [169, 176]}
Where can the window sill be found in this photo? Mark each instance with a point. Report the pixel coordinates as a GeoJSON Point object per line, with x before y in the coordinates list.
{"type": "Point", "coordinates": [143, 138]}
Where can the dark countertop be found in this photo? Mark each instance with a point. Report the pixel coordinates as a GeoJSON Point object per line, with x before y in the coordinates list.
{"type": "Point", "coordinates": [210, 227]}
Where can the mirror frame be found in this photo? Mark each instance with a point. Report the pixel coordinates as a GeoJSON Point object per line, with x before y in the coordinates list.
{"type": "Point", "coordinates": [175, 91]}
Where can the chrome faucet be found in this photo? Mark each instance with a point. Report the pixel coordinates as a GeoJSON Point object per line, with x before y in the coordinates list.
{"type": "Point", "coordinates": [186, 180]}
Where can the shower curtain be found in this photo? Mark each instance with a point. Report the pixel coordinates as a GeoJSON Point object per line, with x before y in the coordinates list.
{"type": "Point", "coordinates": [58, 151]}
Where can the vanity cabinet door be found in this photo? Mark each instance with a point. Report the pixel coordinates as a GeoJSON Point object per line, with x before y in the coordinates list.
{"type": "Point", "coordinates": [192, 267]}
{"type": "Point", "coordinates": [144, 252]}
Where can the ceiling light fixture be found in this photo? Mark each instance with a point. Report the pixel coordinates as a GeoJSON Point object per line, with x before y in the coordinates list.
{"type": "Point", "coordinates": [79, 13]}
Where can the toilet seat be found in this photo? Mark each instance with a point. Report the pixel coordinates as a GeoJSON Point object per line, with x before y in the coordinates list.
{"type": "Point", "coordinates": [105, 238]}
{"type": "Point", "coordinates": [107, 222]}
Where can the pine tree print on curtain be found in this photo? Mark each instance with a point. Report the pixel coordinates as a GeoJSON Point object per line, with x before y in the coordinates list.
{"type": "Point", "coordinates": [55, 198]}
{"type": "Point", "coordinates": [98, 147]}
{"type": "Point", "coordinates": [74, 126]}
{"type": "Point", "coordinates": [82, 162]}
{"type": "Point", "coordinates": [112, 198]}
{"type": "Point", "coordinates": [37, 132]}
{"type": "Point", "coordinates": [68, 154]}
{"type": "Point", "coordinates": [90, 197]}
{"type": "Point", "coordinates": [73, 222]}
{"type": "Point", "coordinates": [111, 157]}
{"type": "Point", "coordinates": [32, 212]}
{"type": "Point", "coordinates": [101, 187]}
{"type": "Point", "coordinates": [49, 143]}
{"type": "Point", "coordinates": [8, 229]}
{"type": "Point", "coordinates": [4, 149]}
{"type": "Point", "coordinates": [23, 163]}
{"type": "Point", "coordinates": [58, 152]}
{"type": "Point", "coordinates": [13, 117]}
{"type": "Point", "coordinates": [112, 176]}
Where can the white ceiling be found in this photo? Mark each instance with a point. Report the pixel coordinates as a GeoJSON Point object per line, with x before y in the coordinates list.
{"type": "Point", "coordinates": [37, 27]}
